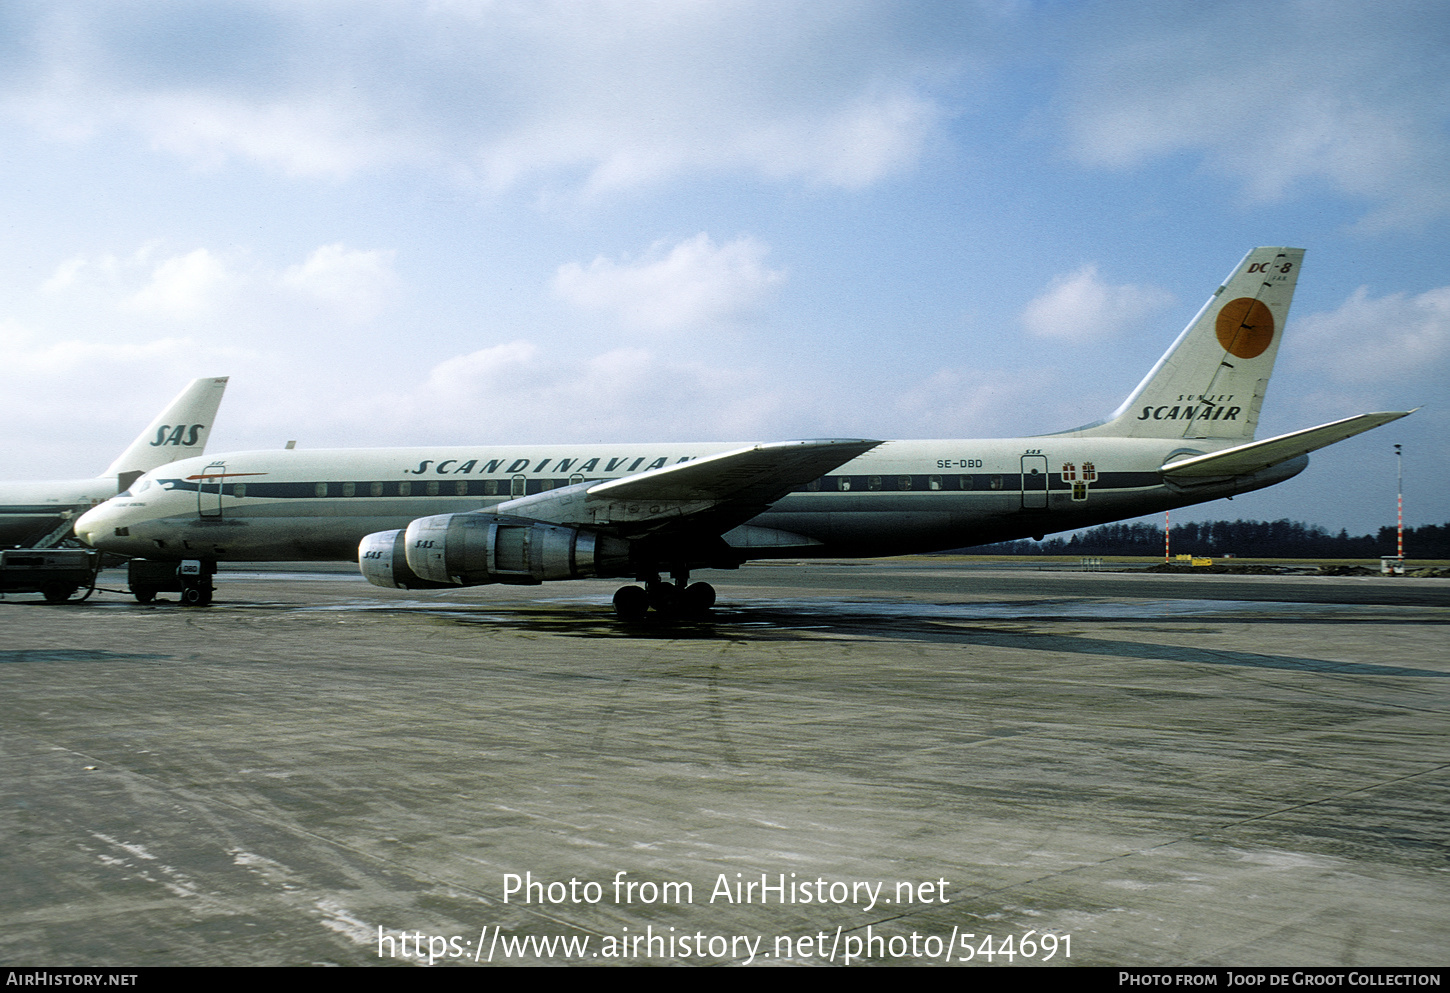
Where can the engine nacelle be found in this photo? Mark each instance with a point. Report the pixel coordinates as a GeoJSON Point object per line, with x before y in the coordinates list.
{"type": "Point", "coordinates": [471, 549]}
{"type": "Point", "coordinates": [381, 560]}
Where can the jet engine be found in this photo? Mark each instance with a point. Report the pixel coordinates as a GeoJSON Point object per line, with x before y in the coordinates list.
{"type": "Point", "coordinates": [381, 559]}
{"type": "Point", "coordinates": [472, 549]}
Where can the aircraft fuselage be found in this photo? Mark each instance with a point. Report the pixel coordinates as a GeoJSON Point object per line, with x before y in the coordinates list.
{"type": "Point", "coordinates": [29, 511]}
{"type": "Point", "coordinates": [901, 497]}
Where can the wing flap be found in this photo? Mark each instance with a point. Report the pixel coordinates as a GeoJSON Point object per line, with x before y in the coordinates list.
{"type": "Point", "coordinates": [766, 471]}
{"type": "Point", "coordinates": [1244, 459]}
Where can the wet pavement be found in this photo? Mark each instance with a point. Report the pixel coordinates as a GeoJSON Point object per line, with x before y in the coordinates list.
{"type": "Point", "coordinates": [864, 761]}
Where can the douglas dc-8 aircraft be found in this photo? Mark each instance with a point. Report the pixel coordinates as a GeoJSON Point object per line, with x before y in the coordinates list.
{"type": "Point", "coordinates": [40, 513]}
{"type": "Point", "coordinates": [445, 517]}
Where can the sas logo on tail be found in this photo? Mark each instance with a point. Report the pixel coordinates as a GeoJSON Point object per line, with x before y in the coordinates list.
{"type": "Point", "coordinates": [183, 435]}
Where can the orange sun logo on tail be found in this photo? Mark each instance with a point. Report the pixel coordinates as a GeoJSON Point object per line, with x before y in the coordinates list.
{"type": "Point", "coordinates": [1245, 327]}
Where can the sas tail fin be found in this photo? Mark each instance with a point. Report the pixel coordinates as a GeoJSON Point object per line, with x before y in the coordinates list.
{"type": "Point", "coordinates": [1212, 382]}
{"type": "Point", "coordinates": [178, 432]}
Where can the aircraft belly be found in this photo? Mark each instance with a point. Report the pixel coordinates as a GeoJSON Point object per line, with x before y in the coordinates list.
{"type": "Point", "coordinates": [276, 530]}
{"type": "Point", "coordinates": [896, 524]}
{"type": "Point", "coordinates": [899, 524]}
{"type": "Point", "coordinates": [269, 538]}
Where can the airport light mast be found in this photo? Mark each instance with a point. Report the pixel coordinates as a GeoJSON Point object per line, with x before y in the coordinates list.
{"type": "Point", "coordinates": [1399, 505]}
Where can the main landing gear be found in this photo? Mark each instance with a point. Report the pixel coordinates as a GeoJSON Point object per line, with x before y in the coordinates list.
{"type": "Point", "coordinates": [678, 599]}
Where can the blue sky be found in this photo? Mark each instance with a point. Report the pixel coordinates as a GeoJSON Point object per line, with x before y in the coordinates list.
{"type": "Point", "coordinates": [500, 222]}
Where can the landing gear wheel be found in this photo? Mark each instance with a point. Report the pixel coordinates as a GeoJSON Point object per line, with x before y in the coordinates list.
{"type": "Point", "coordinates": [664, 597]}
{"type": "Point", "coordinates": [196, 596]}
{"type": "Point", "coordinates": [697, 599]}
{"type": "Point", "coordinates": [58, 594]}
{"type": "Point", "coordinates": [143, 594]}
{"type": "Point", "coordinates": [631, 603]}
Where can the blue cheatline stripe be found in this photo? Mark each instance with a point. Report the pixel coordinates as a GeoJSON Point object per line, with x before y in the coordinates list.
{"type": "Point", "coordinates": [445, 487]}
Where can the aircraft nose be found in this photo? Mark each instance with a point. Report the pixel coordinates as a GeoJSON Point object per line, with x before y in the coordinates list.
{"type": "Point", "coordinates": [93, 525]}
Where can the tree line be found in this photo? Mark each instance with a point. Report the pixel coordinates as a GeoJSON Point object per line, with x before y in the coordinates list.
{"type": "Point", "coordinates": [1283, 539]}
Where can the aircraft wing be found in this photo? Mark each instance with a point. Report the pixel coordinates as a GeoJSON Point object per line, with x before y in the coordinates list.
{"type": "Point", "coordinates": [713, 493]}
{"type": "Point", "coordinates": [1243, 459]}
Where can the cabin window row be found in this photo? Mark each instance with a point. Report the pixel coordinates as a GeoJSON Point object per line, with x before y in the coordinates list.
{"type": "Point", "coordinates": [515, 487]}
{"type": "Point", "coordinates": [904, 482]}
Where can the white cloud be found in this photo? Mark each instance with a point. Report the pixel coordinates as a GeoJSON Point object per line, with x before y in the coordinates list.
{"type": "Point", "coordinates": [311, 135]}
{"type": "Point", "coordinates": [334, 282]}
{"type": "Point", "coordinates": [518, 392]}
{"type": "Point", "coordinates": [64, 276]}
{"type": "Point", "coordinates": [962, 403]}
{"type": "Point", "coordinates": [1280, 97]}
{"type": "Point", "coordinates": [357, 284]}
{"type": "Point", "coordinates": [185, 287]}
{"type": "Point", "coordinates": [694, 284]}
{"type": "Point", "coordinates": [1378, 340]}
{"type": "Point", "coordinates": [590, 94]}
{"type": "Point", "coordinates": [1081, 307]}
{"type": "Point", "coordinates": [72, 401]}
{"type": "Point", "coordinates": [479, 375]}
{"type": "Point", "coordinates": [29, 353]}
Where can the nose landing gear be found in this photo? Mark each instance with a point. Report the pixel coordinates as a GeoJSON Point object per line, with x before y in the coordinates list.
{"type": "Point", "coordinates": [194, 594]}
{"type": "Point", "coordinates": [196, 587]}
{"type": "Point", "coordinates": [191, 579]}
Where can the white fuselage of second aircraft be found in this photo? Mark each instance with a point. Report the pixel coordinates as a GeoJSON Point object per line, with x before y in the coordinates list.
{"type": "Point", "coordinates": [900, 497]}
{"type": "Point", "coordinates": [29, 511]}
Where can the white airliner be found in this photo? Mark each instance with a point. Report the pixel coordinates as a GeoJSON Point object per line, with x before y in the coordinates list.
{"type": "Point", "coordinates": [440, 517]}
{"type": "Point", "coordinates": [40, 513]}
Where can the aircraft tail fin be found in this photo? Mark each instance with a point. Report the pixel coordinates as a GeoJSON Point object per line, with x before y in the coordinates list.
{"type": "Point", "coordinates": [1211, 383]}
{"type": "Point", "coordinates": [178, 432]}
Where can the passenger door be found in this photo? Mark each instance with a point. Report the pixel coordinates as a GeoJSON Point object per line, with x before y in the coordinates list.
{"type": "Point", "coordinates": [1034, 482]}
{"type": "Point", "coordinates": [209, 490]}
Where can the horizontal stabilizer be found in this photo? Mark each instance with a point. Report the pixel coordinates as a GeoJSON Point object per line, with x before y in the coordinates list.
{"type": "Point", "coordinates": [1244, 459]}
